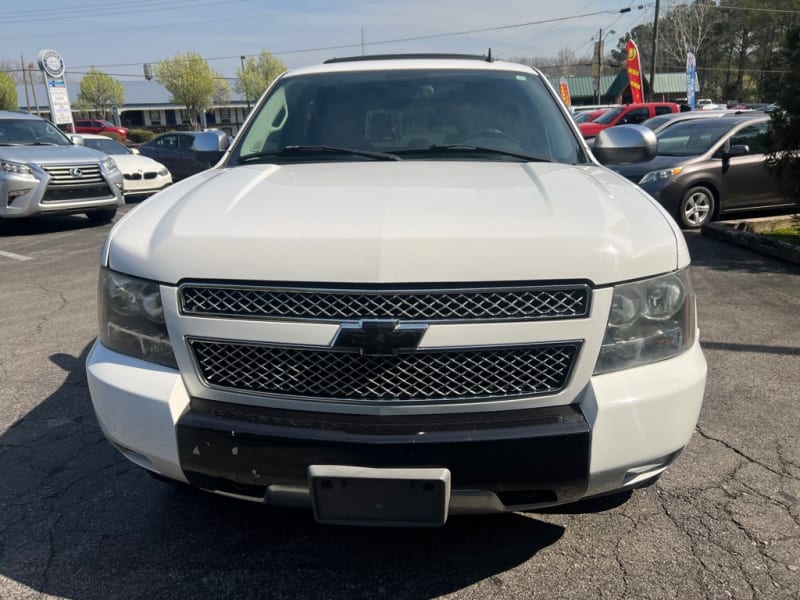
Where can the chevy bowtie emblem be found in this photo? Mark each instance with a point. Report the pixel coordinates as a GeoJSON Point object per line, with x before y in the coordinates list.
{"type": "Point", "coordinates": [379, 337]}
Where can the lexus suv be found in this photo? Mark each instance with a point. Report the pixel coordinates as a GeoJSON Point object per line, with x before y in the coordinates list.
{"type": "Point", "coordinates": [43, 172]}
{"type": "Point", "coordinates": [407, 289]}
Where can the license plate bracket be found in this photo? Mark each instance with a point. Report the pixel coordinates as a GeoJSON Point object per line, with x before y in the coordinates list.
{"type": "Point", "coordinates": [348, 495]}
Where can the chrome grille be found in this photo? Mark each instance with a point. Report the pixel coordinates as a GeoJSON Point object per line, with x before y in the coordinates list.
{"type": "Point", "coordinates": [62, 176]}
{"type": "Point", "coordinates": [65, 184]}
{"type": "Point", "coordinates": [463, 374]}
{"type": "Point", "coordinates": [501, 303]}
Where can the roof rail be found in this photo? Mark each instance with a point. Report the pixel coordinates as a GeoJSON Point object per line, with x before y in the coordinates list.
{"type": "Point", "coordinates": [485, 58]}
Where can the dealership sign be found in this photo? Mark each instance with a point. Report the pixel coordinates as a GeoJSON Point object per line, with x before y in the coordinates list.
{"type": "Point", "coordinates": [52, 66]}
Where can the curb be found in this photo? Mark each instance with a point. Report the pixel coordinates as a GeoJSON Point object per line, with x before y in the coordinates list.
{"type": "Point", "coordinates": [735, 234]}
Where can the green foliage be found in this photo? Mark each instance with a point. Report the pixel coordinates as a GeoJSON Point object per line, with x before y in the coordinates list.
{"type": "Point", "coordinates": [257, 74]}
{"type": "Point", "coordinates": [190, 81]}
{"type": "Point", "coordinates": [139, 136]}
{"type": "Point", "coordinates": [100, 92]}
{"type": "Point", "coordinates": [784, 160]}
{"type": "Point", "coordinates": [8, 93]}
{"type": "Point", "coordinates": [222, 92]}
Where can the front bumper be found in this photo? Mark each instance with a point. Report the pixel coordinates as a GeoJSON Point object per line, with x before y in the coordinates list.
{"type": "Point", "coordinates": [620, 430]}
{"type": "Point", "coordinates": [26, 195]}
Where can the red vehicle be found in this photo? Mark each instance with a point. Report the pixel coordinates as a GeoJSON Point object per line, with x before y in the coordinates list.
{"type": "Point", "coordinates": [99, 126]}
{"type": "Point", "coordinates": [630, 114]}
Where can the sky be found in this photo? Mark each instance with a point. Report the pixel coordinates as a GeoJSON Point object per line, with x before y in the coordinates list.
{"type": "Point", "coordinates": [119, 37]}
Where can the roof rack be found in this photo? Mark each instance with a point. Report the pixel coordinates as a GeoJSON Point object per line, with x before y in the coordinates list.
{"type": "Point", "coordinates": [481, 57]}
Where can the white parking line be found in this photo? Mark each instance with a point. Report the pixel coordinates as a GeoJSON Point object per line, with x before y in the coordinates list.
{"type": "Point", "coordinates": [15, 256]}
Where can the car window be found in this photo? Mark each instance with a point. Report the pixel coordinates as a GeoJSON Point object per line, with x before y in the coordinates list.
{"type": "Point", "coordinates": [390, 111]}
{"type": "Point", "coordinates": [609, 116]}
{"type": "Point", "coordinates": [691, 138]}
{"type": "Point", "coordinates": [663, 110]}
{"type": "Point", "coordinates": [22, 132]}
{"type": "Point", "coordinates": [166, 142]}
{"type": "Point", "coordinates": [754, 136]}
{"type": "Point", "coordinates": [108, 146]}
{"type": "Point", "coordinates": [185, 143]}
{"type": "Point", "coordinates": [635, 116]}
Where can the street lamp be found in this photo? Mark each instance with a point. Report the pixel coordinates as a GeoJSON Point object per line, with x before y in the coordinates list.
{"type": "Point", "coordinates": [600, 42]}
{"type": "Point", "coordinates": [244, 79]}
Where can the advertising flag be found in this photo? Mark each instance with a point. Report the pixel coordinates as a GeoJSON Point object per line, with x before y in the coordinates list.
{"type": "Point", "coordinates": [634, 71]}
{"type": "Point", "coordinates": [691, 80]}
{"type": "Point", "coordinates": [563, 88]}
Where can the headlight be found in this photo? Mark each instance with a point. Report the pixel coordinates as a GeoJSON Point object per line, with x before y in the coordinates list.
{"type": "Point", "coordinates": [654, 176]}
{"type": "Point", "coordinates": [16, 168]}
{"type": "Point", "coordinates": [108, 165]}
{"type": "Point", "coordinates": [650, 320]}
{"type": "Point", "coordinates": [131, 318]}
{"type": "Point", "coordinates": [163, 173]}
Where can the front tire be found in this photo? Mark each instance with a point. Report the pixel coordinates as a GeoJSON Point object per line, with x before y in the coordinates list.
{"type": "Point", "coordinates": [101, 217]}
{"type": "Point", "coordinates": [696, 207]}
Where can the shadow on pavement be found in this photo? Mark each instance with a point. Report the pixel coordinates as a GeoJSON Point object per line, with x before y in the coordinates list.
{"type": "Point", "coordinates": [42, 225]}
{"type": "Point", "coordinates": [714, 254]}
{"type": "Point", "coordinates": [78, 521]}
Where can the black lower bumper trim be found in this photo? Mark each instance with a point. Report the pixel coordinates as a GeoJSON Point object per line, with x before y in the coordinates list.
{"type": "Point", "coordinates": [536, 454]}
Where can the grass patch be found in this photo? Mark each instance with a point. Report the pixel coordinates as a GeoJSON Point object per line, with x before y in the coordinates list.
{"type": "Point", "coordinates": [790, 235]}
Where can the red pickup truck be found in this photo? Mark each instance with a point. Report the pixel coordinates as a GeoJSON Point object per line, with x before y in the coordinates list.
{"type": "Point", "coordinates": [630, 114]}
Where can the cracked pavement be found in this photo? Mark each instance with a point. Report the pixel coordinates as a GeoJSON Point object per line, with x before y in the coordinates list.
{"type": "Point", "coordinates": [78, 521]}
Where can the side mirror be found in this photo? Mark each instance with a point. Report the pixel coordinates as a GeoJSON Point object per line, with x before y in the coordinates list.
{"type": "Point", "coordinates": [134, 150]}
{"type": "Point", "coordinates": [625, 144]}
{"type": "Point", "coordinates": [738, 150]}
{"type": "Point", "coordinates": [209, 146]}
{"type": "Point", "coordinates": [76, 139]}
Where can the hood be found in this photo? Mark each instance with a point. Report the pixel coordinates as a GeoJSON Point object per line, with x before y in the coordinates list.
{"type": "Point", "coordinates": [636, 171]}
{"type": "Point", "coordinates": [44, 155]}
{"type": "Point", "coordinates": [405, 221]}
{"type": "Point", "coordinates": [128, 163]}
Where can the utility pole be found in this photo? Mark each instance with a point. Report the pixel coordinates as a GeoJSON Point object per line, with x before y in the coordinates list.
{"type": "Point", "coordinates": [599, 64]}
{"type": "Point", "coordinates": [33, 86]}
{"type": "Point", "coordinates": [363, 43]}
{"type": "Point", "coordinates": [25, 83]}
{"type": "Point", "coordinates": [653, 54]}
{"type": "Point", "coordinates": [244, 80]}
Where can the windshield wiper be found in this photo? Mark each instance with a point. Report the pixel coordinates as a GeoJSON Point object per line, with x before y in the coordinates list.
{"type": "Point", "coordinates": [290, 151]}
{"type": "Point", "coordinates": [38, 143]}
{"type": "Point", "coordinates": [470, 149]}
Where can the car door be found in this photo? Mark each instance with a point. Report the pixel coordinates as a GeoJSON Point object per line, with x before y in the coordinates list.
{"type": "Point", "coordinates": [188, 165]}
{"type": "Point", "coordinates": [164, 149]}
{"type": "Point", "coordinates": [748, 182]}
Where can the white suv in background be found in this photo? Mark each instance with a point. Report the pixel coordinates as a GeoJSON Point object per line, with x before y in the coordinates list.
{"type": "Point", "coordinates": [407, 290]}
{"type": "Point", "coordinates": [43, 172]}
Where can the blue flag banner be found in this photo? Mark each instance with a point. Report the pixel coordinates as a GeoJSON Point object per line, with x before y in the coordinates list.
{"type": "Point", "coordinates": [691, 80]}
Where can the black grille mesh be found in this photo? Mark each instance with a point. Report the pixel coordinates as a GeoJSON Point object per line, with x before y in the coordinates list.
{"type": "Point", "coordinates": [519, 303]}
{"type": "Point", "coordinates": [473, 374]}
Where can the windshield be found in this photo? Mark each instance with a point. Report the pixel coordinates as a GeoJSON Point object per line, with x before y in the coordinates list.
{"type": "Point", "coordinates": [108, 146]}
{"type": "Point", "coordinates": [24, 132]}
{"type": "Point", "coordinates": [691, 138]}
{"type": "Point", "coordinates": [406, 113]}
{"type": "Point", "coordinates": [609, 116]}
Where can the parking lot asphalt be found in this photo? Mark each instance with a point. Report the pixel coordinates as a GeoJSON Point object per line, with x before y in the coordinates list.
{"type": "Point", "coordinates": [78, 521]}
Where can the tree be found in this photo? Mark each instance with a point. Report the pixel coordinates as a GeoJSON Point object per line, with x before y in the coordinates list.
{"type": "Point", "coordinates": [784, 159]}
{"type": "Point", "coordinates": [190, 81]}
{"type": "Point", "coordinates": [100, 92]}
{"type": "Point", "coordinates": [12, 69]}
{"type": "Point", "coordinates": [222, 92]}
{"type": "Point", "coordinates": [257, 74]}
{"type": "Point", "coordinates": [8, 93]}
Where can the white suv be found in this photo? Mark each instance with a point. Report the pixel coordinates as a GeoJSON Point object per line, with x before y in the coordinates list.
{"type": "Point", "coordinates": [407, 290]}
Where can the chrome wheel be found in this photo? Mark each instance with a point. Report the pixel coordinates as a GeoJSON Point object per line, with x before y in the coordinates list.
{"type": "Point", "coordinates": [697, 207]}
